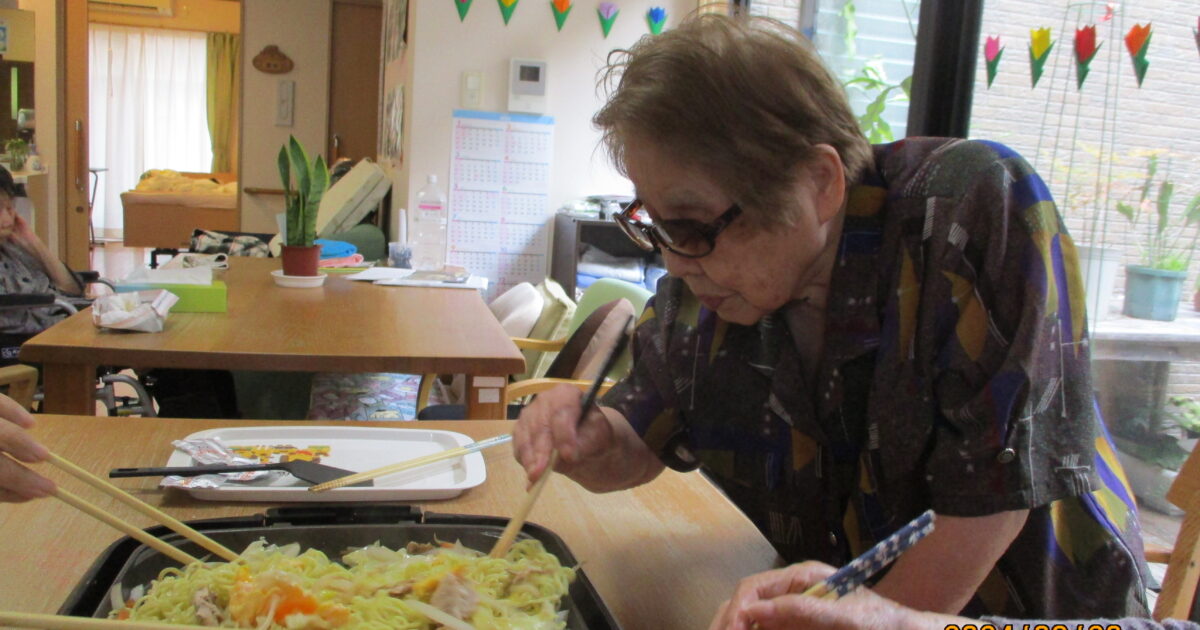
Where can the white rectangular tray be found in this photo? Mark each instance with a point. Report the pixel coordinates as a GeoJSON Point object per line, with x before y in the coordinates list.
{"type": "Point", "coordinates": [355, 449]}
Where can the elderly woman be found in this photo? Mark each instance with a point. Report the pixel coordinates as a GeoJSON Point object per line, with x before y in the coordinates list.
{"type": "Point", "coordinates": [850, 335]}
{"type": "Point", "coordinates": [28, 266]}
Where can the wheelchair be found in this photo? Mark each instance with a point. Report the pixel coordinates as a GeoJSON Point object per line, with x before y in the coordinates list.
{"type": "Point", "coordinates": [140, 404]}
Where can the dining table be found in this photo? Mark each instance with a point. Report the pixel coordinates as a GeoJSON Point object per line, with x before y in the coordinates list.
{"type": "Point", "coordinates": [664, 554]}
{"type": "Point", "coordinates": [342, 326]}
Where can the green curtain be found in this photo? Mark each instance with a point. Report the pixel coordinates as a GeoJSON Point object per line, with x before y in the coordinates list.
{"type": "Point", "coordinates": [224, 74]}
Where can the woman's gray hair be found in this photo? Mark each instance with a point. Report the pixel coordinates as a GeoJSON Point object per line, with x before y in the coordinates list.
{"type": "Point", "coordinates": [746, 99]}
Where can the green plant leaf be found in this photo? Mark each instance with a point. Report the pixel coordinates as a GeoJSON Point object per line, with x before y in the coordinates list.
{"type": "Point", "coordinates": [1192, 213]}
{"type": "Point", "coordinates": [1166, 190]}
{"type": "Point", "coordinates": [300, 165]}
{"type": "Point", "coordinates": [1126, 210]}
{"type": "Point", "coordinates": [906, 85]}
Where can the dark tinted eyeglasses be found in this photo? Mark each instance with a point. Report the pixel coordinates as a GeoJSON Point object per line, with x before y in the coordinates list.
{"type": "Point", "coordinates": [684, 237]}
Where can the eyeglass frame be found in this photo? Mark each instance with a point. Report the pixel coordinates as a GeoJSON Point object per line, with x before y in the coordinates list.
{"type": "Point", "coordinates": [654, 234]}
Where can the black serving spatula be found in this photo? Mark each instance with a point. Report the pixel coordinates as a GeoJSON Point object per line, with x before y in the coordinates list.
{"type": "Point", "coordinates": [300, 469]}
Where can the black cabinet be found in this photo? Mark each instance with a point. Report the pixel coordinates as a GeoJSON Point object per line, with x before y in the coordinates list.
{"type": "Point", "coordinates": [573, 231]}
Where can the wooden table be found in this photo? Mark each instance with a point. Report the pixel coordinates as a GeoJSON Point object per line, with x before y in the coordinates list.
{"type": "Point", "coordinates": [663, 555]}
{"type": "Point", "coordinates": [343, 326]}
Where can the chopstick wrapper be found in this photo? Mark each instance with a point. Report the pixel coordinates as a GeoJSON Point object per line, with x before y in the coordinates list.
{"type": "Point", "coordinates": [140, 311]}
{"type": "Point", "coordinates": [207, 451]}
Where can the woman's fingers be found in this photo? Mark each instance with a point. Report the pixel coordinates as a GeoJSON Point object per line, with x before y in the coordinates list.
{"type": "Point", "coordinates": [18, 483]}
{"type": "Point", "coordinates": [10, 410]}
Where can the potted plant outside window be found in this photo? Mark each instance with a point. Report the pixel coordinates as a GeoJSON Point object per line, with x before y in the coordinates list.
{"type": "Point", "coordinates": [1153, 289]}
{"type": "Point", "coordinates": [300, 253]}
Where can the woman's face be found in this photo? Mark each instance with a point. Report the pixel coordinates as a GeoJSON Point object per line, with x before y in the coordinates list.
{"type": "Point", "coordinates": [751, 271]}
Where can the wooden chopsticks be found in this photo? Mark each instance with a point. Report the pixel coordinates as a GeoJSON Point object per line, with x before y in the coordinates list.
{"type": "Point", "coordinates": [518, 520]}
{"type": "Point", "coordinates": [64, 622]}
{"type": "Point", "coordinates": [409, 464]}
{"type": "Point", "coordinates": [166, 520]}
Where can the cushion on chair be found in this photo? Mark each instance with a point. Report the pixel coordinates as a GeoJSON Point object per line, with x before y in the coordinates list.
{"type": "Point", "coordinates": [557, 311]}
{"type": "Point", "coordinates": [518, 309]}
{"type": "Point", "coordinates": [585, 352]}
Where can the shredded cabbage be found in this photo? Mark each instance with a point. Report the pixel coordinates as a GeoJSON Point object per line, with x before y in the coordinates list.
{"type": "Point", "coordinates": [271, 587]}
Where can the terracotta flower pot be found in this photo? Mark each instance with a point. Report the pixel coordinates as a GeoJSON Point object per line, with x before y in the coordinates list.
{"type": "Point", "coordinates": [300, 261]}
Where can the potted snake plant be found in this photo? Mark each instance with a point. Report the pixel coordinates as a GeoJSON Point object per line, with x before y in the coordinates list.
{"type": "Point", "coordinates": [304, 183]}
{"type": "Point", "coordinates": [1154, 288]}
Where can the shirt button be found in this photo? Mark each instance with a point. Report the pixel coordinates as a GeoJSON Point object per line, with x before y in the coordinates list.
{"type": "Point", "coordinates": [1007, 455]}
{"type": "Point", "coordinates": [833, 539]}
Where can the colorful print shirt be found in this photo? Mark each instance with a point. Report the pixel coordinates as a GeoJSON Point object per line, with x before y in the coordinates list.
{"type": "Point", "coordinates": [954, 376]}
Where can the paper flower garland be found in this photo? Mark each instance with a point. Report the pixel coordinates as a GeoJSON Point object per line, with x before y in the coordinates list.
{"type": "Point", "coordinates": [1039, 50]}
{"type": "Point", "coordinates": [608, 14]}
{"type": "Point", "coordinates": [561, 8]}
{"type": "Point", "coordinates": [1085, 50]}
{"type": "Point", "coordinates": [506, 9]}
{"type": "Point", "coordinates": [463, 6]}
{"type": "Point", "coordinates": [656, 17]}
{"type": "Point", "coordinates": [1137, 40]}
{"type": "Point", "coordinates": [991, 53]}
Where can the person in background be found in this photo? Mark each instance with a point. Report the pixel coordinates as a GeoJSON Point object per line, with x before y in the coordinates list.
{"type": "Point", "coordinates": [28, 266]}
{"type": "Point", "coordinates": [773, 601]}
{"type": "Point", "coordinates": [850, 335]}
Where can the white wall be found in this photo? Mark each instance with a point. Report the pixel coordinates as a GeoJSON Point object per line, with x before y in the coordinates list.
{"type": "Point", "coordinates": [300, 28]}
{"type": "Point", "coordinates": [441, 48]}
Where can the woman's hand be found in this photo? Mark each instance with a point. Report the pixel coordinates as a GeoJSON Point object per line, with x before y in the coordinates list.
{"type": "Point", "coordinates": [772, 600]}
{"type": "Point", "coordinates": [601, 451]}
{"type": "Point", "coordinates": [18, 483]}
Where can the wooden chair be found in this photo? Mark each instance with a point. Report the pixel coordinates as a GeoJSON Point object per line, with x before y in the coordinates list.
{"type": "Point", "coordinates": [1183, 561]}
{"type": "Point", "coordinates": [21, 383]}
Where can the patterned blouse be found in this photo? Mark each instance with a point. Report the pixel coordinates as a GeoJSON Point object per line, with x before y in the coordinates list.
{"type": "Point", "coordinates": [21, 272]}
{"type": "Point", "coordinates": [954, 376]}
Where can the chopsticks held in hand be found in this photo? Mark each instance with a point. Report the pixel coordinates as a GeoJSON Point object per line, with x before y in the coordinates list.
{"type": "Point", "coordinates": [861, 569]}
{"type": "Point", "coordinates": [589, 399]}
{"type": "Point", "coordinates": [409, 464]}
{"type": "Point", "coordinates": [146, 539]}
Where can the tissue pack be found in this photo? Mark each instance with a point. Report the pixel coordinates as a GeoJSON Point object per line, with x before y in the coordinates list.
{"type": "Point", "coordinates": [193, 298]}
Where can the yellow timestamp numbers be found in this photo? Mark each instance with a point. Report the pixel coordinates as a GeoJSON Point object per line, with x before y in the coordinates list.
{"type": "Point", "coordinates": [1033, 626]}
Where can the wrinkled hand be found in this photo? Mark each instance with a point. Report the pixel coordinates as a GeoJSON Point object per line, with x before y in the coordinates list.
{"type": "Point", "coordinates": [551, 422]}
{"type": "Point", "coordinates": [22, 232]}
{"type": "Point", "coordinates": [18, 483]}
{"type": "Point", "coordinates": [773, 601]}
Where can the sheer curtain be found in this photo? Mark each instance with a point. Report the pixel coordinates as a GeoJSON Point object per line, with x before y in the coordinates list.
{"type": "Point", "coordinates": [148, 109]}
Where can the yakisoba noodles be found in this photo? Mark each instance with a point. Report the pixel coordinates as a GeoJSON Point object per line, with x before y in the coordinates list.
{"type": "Point", "coordinates": [280, 587]}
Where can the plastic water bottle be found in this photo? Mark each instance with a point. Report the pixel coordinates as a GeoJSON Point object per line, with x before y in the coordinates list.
{"type": "Point", "coordinates": [429, 228]}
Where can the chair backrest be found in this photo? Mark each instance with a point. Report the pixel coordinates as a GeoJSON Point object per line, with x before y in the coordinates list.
{"type": "Point", "coordinates": [1178, 596]}
{"type": "Point", "coordinates": [518, 309]}
{"type": "Point", "coordinates": [602, 292]}
{"type": "Point", "coordinates": [558, 311]}
{"type": "Point", "coordinates": [583, 355]}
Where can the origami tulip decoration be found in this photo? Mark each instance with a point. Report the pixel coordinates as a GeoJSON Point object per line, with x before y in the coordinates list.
{"type": "Point", "coordinates": [1137, 40]}
{"type": "Point", "coordinates": [656, 17]}
{"type": "Point", "coordinates": [1039, 51]}
{"type": "Point", "coordinates": [561, 8]}
{"type": "Point", "coordinates": [463, 6]}
{"type": "Point", "coordinates": [1085, 50]}
{"type": "Point", "coordinates": [506, 9]}
{"type": "Point", "coordinates": [991, 54]}
{"type": "Point", "coordinates": [608, 14]}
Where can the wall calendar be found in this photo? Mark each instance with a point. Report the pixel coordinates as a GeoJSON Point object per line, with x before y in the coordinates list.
{"type": "Point", "coordinates": [499, 199]}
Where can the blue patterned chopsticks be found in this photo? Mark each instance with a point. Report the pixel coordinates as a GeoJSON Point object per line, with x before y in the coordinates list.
{"type": "Point", "coordinates": [861, 569]}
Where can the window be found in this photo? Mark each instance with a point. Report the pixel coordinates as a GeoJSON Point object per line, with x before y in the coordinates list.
{"type": "Point", "coordinates": [1096, 144]}
{"type": "Point", "coordinates": [147, 109]}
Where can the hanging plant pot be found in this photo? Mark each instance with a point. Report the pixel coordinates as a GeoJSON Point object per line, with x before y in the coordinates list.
{"type": "Point", "coordinates": [1152, 293]}
{"type": "Point", "coordinates": [300, 261]}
